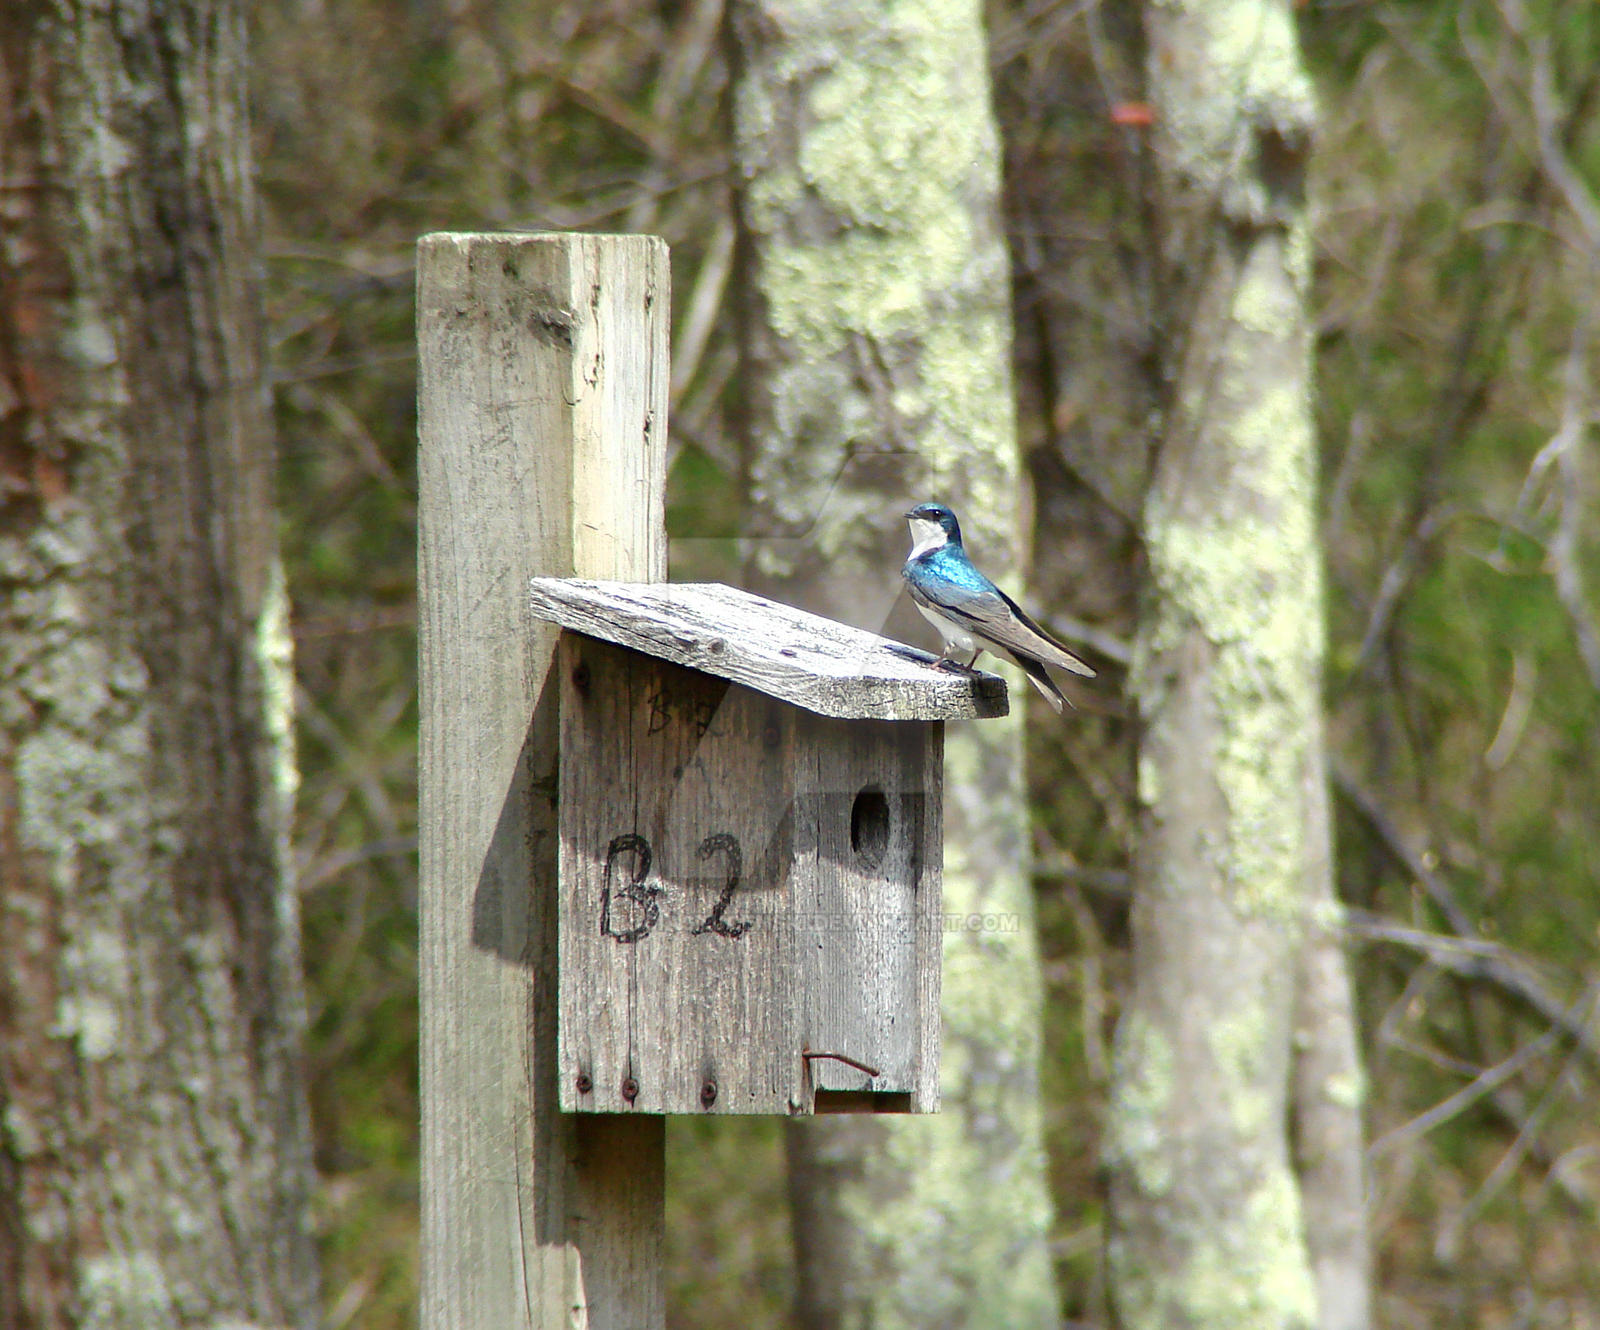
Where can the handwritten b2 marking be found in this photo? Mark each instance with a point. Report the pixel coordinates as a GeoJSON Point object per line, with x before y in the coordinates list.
{"type": "Point", "coordinates": [645, 897]}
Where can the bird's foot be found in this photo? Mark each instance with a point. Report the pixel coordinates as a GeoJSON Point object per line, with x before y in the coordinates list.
{"type": "Point", "coordinates": [954, 667]}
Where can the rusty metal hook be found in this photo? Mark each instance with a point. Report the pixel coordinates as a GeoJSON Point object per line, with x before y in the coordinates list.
{"type": "Point", "coordinates": [848, 1061]}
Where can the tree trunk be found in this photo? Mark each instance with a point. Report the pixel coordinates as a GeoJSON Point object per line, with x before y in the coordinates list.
{"type": "Point", "coordinates": [154, 1147]}
{"type": "Point", "coordinates": [876, 374]}
{"type": "Point", "coordinates": [1328, 1090]}
{"type": "Point", "coordinates": [1208, 1224]}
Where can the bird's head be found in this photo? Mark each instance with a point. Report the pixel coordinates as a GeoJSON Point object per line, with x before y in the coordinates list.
{"type": "Point", "coordinates": [932, 525]}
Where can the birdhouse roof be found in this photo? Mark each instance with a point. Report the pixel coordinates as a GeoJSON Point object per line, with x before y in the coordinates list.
{"type": "Point", "coordinates": [800, 658]}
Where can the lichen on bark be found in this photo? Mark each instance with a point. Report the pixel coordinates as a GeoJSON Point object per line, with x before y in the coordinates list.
{"type": "Point", "coordinates": [154, 1143]}
{"type": "Point", "coordinates": [1208, 1229]}
{"type": "Point", "coordinates": [877, 345]}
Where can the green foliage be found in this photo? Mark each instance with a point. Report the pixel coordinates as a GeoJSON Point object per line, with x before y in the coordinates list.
{"type": "Point", "coordinates": [1457, 343]}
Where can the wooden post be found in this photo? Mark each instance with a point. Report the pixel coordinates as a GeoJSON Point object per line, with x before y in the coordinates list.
{"type": "Point", "coordinates": [542, 450]}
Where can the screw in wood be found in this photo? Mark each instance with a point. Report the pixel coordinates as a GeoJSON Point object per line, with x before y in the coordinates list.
{"type": "Point", "coordinates": [585, 1082]}
{"type": "Point", "coordinates": [708, 1094]}
{"type": "Point", "coordinates": [630, 1089]}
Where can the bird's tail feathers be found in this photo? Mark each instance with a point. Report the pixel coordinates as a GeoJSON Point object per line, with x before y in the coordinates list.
{"type": "Point", "coordinates": [1040, 678]}
{"type": "Point", "coordinates": [1067, 661]}
{"type": "Point", "coordinates": [1045, 644]}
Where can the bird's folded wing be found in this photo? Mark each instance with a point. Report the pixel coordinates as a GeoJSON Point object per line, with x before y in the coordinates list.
{"type": "Point", "coordinates": [994, 615]}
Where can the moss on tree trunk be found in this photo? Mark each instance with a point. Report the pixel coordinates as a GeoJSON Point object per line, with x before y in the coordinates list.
{"type": "Point", "coordinates": [154, 1148]}
{"type": "Point", "coordinates": [877, 345]}
{"type": "Point", "coordinates": [1208, 1225]}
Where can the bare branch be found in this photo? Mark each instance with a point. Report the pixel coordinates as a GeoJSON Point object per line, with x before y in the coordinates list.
{"type": "Point", "coordinates": [1474, 958]}
{"type": "Point", "coordinates": [1480, 1087]}
{"type": "Point", "coordinates": [1448, 1243]}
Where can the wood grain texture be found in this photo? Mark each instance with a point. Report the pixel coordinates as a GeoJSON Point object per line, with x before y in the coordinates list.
{"type": "Point", "coordinates": [543, 377]}
{"type": "Point", "coordinates": [742, 882]}
{"type": "Point", "coordinates": [789, 654]}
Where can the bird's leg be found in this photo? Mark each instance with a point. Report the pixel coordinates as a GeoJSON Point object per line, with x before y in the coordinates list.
{"type": "Point", "coordinates": [955, 666]}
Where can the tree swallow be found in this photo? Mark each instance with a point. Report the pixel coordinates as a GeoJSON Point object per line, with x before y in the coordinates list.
{"type": "Point", "coordinates": [971, 612]}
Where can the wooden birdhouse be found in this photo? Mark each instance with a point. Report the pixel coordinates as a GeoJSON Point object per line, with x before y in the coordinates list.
{"type": "Point", "coordinates": [750, 820]}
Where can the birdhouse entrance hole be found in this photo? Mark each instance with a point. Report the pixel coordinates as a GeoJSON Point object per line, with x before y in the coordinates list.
{"type": "Point", "coordinates": [869, 825]}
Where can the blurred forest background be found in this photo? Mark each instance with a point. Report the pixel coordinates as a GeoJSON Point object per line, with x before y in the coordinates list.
{"type": "Point", "coordinates": [1456, 197]}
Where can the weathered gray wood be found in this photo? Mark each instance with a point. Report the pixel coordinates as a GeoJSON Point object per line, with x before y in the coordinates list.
{"type": "Point", "coordinates": [679, 997]}
{"type": "Point", "coordinates": [869, 902]}
{"type": "Point", "coordinates": [622, 1164]}
{"type": "Point", "coordinates": [542, 425]}
{"type": "Point", "coordinates": [817, 663]}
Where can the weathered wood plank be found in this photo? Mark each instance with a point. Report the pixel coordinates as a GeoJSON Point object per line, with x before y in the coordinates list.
{"type": "Point", "coordinates": [542, 412]}
{"type": "Point", "coordinates": [660, 763]}
{"type": "Point", "coordinates": [820, 664]}
{"type": "Point", "coordinates": [868, 903]}
{"type": "Point", "coordinates": [742, 882]}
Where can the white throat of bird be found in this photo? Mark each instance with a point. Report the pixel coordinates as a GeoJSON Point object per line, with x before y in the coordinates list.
{"type": "Point", "coordinates": [927, 535]}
